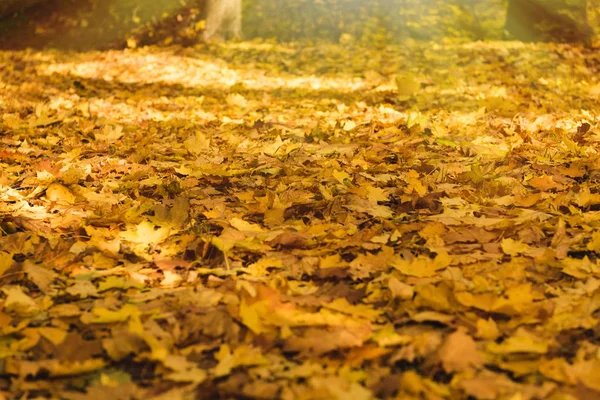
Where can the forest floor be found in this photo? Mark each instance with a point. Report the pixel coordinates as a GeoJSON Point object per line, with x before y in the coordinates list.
{"type": "Point", "coordinates": [253, 220]}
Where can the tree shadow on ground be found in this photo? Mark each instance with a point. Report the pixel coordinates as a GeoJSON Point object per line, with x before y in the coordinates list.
{"type": "Point", "coordinates": [525, 95]}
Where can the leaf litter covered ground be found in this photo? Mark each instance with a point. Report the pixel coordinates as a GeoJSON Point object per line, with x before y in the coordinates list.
{"type": "Point", "coordinates": [282, 221]}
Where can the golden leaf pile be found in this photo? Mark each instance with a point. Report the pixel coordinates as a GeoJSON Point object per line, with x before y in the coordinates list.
{"type": "Point", "coordinates": [267, 221]}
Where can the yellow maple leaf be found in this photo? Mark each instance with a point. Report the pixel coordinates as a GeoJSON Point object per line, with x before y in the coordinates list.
{"type": "Point", "coordinates": [260, 268]}
{"type": "Point", "coordinates": [341, 176]}
{"type": "Point", "coordinates": [243, 355]}
{"type": "Point", "coordinates": [101, 315]}
{"type": "Point", "coordinates": [237, 100]}
{"type": "Point", "coordinates": [487, 329]}
{"type": "Point", "coordinates": [244, 226]}
{"type": "Point", "coordinates": [54, 335]}
{"type": "Point", "coordinates": [422, 266]}
{"type": "Point", "coordinates": [594, 244]}
{"type": "Point", "coordinates": [513, 247]}
{"type": "Point", "coordinates": [250, 315]}
{"type": "Point", "coordinates": [331, 261]}
{"type": "Point", "coordinates": [6, 261]}
{"type": "Point", "coordinates": [375, 194]}
{"type": "Point", "coordinates": [520, 343]}
{"type": "Point", "coordinates": [280, 147]}
{"type": "Point", "coordinates": [414, 184]}
{"type": "Point", "coordinates": [197, 143]}
{"type": "Point", "coordinates": [59, 193]}
{"type": "Point", "coordinates": [145, 233]}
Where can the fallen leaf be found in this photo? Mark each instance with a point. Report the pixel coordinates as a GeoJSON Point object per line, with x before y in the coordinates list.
{"type": "Point", "coordinates": [459, 352]}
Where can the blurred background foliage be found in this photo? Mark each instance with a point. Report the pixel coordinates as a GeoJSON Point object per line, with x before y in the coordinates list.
{"type": "Point", "coordinates": [375, 21]}
{"type": "Point", "coordinates": [119, 23]}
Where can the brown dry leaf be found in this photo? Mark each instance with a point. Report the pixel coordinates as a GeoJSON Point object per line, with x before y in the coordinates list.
{"type": "Point", "coordinates": [338, 388]}
{"type": "Point", "coordinates": [320, 341]}
{"type": "Point", "coordinates": [489, 386]}
{"type": "Point", "coordinates": [459, 352]}
{"type": "Point", "coordinates": [557, 369]}
{"type": "Point", "coordinates": [400, 289]}
{"type": "Point", "coordinates": [54, 368]}
{"type": "Point", "coordinates": [290, 239]}
{"type": "Point", "coordinates": [17, 302]}
{"type": "Point", "coordinates": [587, 372]}
{"type": "Point", "coordinates": [41, 275]}
{"type": "Point", "coordinates": [545, 183]}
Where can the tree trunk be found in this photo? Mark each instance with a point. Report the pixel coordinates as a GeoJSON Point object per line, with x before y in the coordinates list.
{"type": "Point", "coordinates": [547, 20]}
{"type": "Point", "coordinates": [10, 7]}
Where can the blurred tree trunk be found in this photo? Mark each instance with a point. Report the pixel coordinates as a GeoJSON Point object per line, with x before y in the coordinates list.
{"type": "Point", "coordinates": [547, 20]}
{"type": "Point", "coordinates": [10, 7]}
